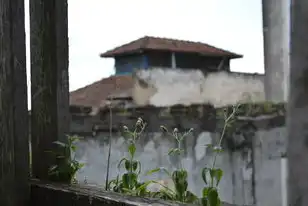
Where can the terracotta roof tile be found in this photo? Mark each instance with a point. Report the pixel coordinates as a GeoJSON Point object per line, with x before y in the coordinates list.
{"type": "Point", "coordinates": [165, 44]}
{"type": "Point", "coordinates": [95, 94]}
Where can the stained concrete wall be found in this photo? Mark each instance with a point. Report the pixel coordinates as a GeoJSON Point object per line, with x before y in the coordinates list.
{"type": "Point", "coordinates": [270, 170]}
{"type": "Point", "coordinates": [251, 160]}
{"type": "Point", "coordinates": [152, 153]}
{"type": "Point", "coordinates": [193, 87]}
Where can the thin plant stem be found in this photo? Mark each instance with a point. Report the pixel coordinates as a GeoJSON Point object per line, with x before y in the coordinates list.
{"type": "Point", "coordinates": [109, 149]}
{"type": "Point", "coordinates": [224, 131]}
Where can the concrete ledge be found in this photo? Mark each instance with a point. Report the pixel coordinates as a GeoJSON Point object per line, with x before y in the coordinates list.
{"type": "Point", "coordinates": [51, 194]}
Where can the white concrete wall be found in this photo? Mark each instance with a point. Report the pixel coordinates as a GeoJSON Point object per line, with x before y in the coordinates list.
{"type": "Point", "coordinates": [270, 168]}
{"type": "Point", "coordinates": [174, 86]}
{"type": "Point", "coordinates": [153, 154]}
{"type": "Point", "coordinates": [237, 183]}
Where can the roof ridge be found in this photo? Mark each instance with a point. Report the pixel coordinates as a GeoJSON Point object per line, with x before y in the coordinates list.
{"type": "Point", "coordinates": [131, 42]}
{"type": "Point", "coordinates": [172, 44]}
{"type": "Point", "coordinates": [145, 43]}
{"type": "Point", "coordinates": [189, 41]}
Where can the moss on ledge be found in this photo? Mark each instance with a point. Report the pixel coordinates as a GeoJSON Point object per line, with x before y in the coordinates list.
{"type": "Point", "coordinates": [255, 109]}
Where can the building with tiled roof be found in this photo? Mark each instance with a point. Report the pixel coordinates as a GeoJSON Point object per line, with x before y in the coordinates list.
{"type": "Point", "coordinates": [151, 52]}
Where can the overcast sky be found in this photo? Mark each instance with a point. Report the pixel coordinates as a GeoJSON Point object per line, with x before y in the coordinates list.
{"type": "Point", "coordinates": [99, 25]}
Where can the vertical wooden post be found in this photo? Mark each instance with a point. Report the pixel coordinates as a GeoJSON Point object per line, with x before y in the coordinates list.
{"type": "Point", "coordinates": [14, 141]}
{"type": "Point", "coordinates": [297, 118]}
{"type": "Point", "coordinates": [49, 80]}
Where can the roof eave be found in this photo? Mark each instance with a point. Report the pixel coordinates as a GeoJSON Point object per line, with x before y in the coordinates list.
{"type": "Point", "coordinates": [112, 55]}
{"type": "Point", "coordinates": [104, 55]}
{"type": "Point", "coordinates": [236, 56]}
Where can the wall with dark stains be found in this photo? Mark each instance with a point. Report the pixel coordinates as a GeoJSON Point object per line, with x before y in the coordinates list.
{"type": "Point", "coordinates": [252, 158]}
{"type": "Point", "coordinates": [167, 87]}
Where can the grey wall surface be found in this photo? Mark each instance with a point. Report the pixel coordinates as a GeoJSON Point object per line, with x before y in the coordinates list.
{"type": "Point", "coordinates": [252, 158]}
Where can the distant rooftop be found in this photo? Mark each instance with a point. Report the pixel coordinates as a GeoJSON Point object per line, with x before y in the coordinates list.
{"type": "Point", "coordinates": [149, 43]}
{"type": "Point", "coordinates": [96, 94]}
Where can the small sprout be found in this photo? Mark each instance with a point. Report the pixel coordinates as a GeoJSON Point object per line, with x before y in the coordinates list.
{"type": "Point", "coordinates": [164, 129]}
{"type": "Point", "coordinates": [139, 122]}
{"type": "Point", "coordinates": [175, 130]}
{"type": "Point", "coordinates": [125, 128]}
{"type": "Point", "coordinates": [217, 149]}
{"type": "Point", "coordinates": [190, 130]}
{"type": "Point", "coordinates": [209, 146]}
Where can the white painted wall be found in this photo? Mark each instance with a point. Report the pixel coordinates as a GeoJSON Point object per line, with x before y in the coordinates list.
{"type": "Point", "coordinates": [236, 185]}
{"type": "Point", "coordinates": [168, 87]}
{"type": "Point", "coordinates": [153, 154]}
{"type": "Point", "coordinates": [270, 167]}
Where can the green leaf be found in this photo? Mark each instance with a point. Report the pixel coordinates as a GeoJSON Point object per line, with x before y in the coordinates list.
{"type": "Point", "coordinates": [73, 148]}
{"type": "Point", "coordinates": [181, 187]}
{"type": "Point", "coordinates": [175, 151]}
{"type": "Point", "coordinates": [204, 173]}
{"type": "Point", "coordinates": [164, 194]}
{"type": "Point", "coordinates": [164, 186]}
{"type": "Point", "coordinates": [142, 188]}
{"type": "Point", "coordinates": [219, 174]}
{"type": "Point", "coordinates": [144, 185]}
{"type": "Point", "coordinates": [81, 165]}
{"type": "Point", "coordinates": [121, 161]}
{"type": "Point", "coordinates": [128, 134]}
{"type": "Point", "coordinates": [171, 151]}
{"type": "Point", "coordinates": [205, 191]}
{"type": "Point", "coordinates": [132, 149]}
{"type": "Point", "coordinates": [213, 173]}
{"type": "Point", "coordinates": [153, 171]}
{"type": "Point", "coordinates": [125, 180]}
{"type": "Point", "coordinates": [213, 197]}
{"type": "Point", "coordinates": [127, 165]}
{"type": "Point", "coordinates": [135, 165]}
{"type": "Point", "coordinates": [138, 167]}
{"type": "Point", "coordinates": [209, 146]}
{"type": "Point", "coordinates": [190, 197]}
{"type": "Point", "coordinates": [129, 180]}
{"type": "Point", "coordinates": [61, 144]}
{"type": "Point", "coordinates": [158, 170]}
{"type": "Point", "coordinates": [204, 201]}
{"type": "Point", "coordinates": [183, 174]}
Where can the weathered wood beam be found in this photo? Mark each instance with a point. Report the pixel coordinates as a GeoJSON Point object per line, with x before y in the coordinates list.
{"type": "Point", "coordinates": [14, 141]}
{"type": "Point", "coordinates": [297, 113]}
{"type": "Point", "coordinates": [49, 80]}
